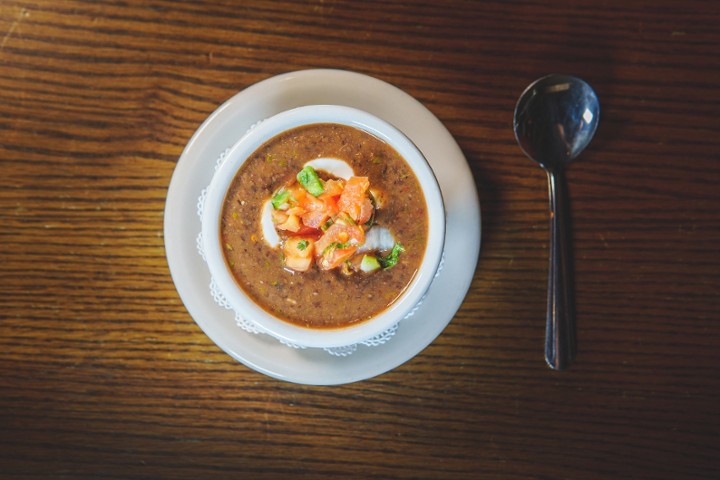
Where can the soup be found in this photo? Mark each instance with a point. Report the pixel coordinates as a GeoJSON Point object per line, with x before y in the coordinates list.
{"type": "Point", "coordinates": [315, 182]}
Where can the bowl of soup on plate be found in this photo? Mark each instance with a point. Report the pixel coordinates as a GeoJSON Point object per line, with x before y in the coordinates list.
{"type": "Point", "coordinates": [324, 226]}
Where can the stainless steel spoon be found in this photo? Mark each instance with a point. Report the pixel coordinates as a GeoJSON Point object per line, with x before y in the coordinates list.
{"type": "Point", "coordinates": [555, 119]}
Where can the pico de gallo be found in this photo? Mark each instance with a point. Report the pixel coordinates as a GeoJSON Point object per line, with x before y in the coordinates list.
{"type": "Point", "coordinates": [323, 223]}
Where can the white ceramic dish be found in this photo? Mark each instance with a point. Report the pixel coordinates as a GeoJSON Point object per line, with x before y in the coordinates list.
{"type": "Point", "coordinates": [262, 100]}
{"type": "Point", "coordinates": [217, 193]}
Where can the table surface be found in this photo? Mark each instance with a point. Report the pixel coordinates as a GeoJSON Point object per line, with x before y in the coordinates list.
{"type": "Point", "coordinates": [104, 373]}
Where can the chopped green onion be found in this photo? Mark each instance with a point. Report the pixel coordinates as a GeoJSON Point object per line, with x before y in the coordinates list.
{"type": "Point", "coordinates": [336, 245]}
{"type": "Point", "coordinates": [391, 259]}
{"type": "Point", "coordinates": [369, 264]}
{"type": "Point", "coordinates": [326, 225]}
{"type": "Point", "coordinates": [329, 248]}
{"type": "Point", "coordinates": [308, 178]}
{"type": "Point", "coordinates": [345, 218]}
{"type": "Point", "coordinates": [280, 198]}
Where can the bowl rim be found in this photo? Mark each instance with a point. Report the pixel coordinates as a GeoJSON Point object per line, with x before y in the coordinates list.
{"type": "Point", "coordinates": [273, 325]}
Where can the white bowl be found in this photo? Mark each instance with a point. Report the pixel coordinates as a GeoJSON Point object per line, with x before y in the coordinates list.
{"type": "Point", "coordinates": [283, 330]}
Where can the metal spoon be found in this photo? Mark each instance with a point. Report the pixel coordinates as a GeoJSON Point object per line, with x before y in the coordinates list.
{"type": "Point", "coordinates": [555, 119]}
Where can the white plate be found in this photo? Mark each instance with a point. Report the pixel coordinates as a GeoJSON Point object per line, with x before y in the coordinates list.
{"type": "Point", "coordinates": [225, 126]}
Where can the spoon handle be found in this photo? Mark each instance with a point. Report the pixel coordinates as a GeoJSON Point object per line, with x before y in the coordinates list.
{"type": "Point", "coordinates": [560, 326]}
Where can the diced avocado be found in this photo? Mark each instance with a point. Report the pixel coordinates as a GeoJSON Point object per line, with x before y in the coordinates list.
{"type": "Point", "coordinates": [369, 264]}
{"type": "Point", "coordinates": [280, 199]}
{"type": "Point", "coordinates": [308, 178]}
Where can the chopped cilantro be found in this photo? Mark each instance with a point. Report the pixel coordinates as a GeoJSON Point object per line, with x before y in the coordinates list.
{"type": "Point", "coordinates": [391, 259]}
{"type": "Point", "coordinates": [302, 245]}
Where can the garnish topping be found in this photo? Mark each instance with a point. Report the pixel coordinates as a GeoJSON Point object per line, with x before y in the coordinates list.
{"type": "Point", "coordinates": [308, 178]}
{"type": "Point", "coordinates": [391, 259]}
{"type": "Point", "coordinates": [323, 222]}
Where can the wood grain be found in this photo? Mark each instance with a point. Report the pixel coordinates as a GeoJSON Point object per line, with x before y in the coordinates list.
{"type": "Point", "coordinates": [104, 374]}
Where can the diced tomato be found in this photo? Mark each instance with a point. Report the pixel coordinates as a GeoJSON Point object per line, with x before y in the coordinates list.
{"type": "Point", "coordinates": [291, 224]}
{"type": "Point", "coordinates": [333, 188]}
{"type": "Point", "coordinates": [298, 211]}
{"type": "Point", "coordinates": [298, 264]}
{"type": "Point", "coordinates": [340, 233]}
{"type": "Point", "coordinates": [353, 196]}
{"type": "Point", "coordinates": [331, 205]}
{"type": "Point", "coordinates": [309, 231]}
{"type": "Point", "coordinates": [315, 218]}
{"type": "Point", "coordinates": [299, 246]}
{"type": "Point", "coordinates": [335, 257]}
{"type": "Point", "coordinates": [314, 212]}
{"type": "Point", "coordinates": [298, 193]}
{"type": "Point", "coordinates": [298, 253]}
{"type": "Point", "coordinates": [278, 216]}
{"type": "Point", "coordinates": [312, 203]}
{"type": "Point", "coordinates": [366, 211]}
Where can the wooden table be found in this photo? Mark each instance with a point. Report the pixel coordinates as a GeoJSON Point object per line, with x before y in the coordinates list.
{"type": "Point", "coordinates": [104, 373]}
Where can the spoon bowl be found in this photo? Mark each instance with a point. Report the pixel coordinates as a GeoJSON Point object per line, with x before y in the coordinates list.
{"type": "Point", "coordinates": [555, 119]}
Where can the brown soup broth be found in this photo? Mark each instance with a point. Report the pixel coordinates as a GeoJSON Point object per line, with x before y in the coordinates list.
{"type": "Point", "coordinates": [322, 299]}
